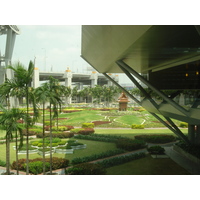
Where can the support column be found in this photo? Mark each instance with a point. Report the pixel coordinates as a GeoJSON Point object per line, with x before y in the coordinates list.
{"type": "Point", "coordinates": [68, 83]}
{"type": "Point", "coordinates": [93, 79]}
{"type": "Point", "coordinates": [110, 83]}
{"type": "Point", "coordinates": [198, 134]}
{"type": "Point", "coordinates": [36, 78]}
{"type": "Point", "coordinates": [191, 133]}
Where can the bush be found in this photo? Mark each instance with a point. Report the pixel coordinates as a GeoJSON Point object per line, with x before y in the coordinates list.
{"type": "Point", "coordinates": [183, 125]}
{"type": "Point", "coordinates": [86, 169]}
{"type": "Point", "coordinates": [79, 160]}
{"type": "Point", "coordinates": [130, 145]}
{"type": "Point", "coordinates": [191, 149]}
{"type": "Point", "coordinates": [82, 131]}
{"type": "Point", "coordinates": [59, 135]}
{"type": "Point", "coordinates": [37, 167]}
{"type": "Point", "coordinates": [57, 163]}
{"type": "Point", "coordinates": [60, 128]}
{"type": "Point", "coordinates": [2, 163]}
{"type": "Point", "coordinates": [156, 150]}
{"type": "Point", "coordinates": [137, 126]}
{"type": "Point", "coordinates": [157, 139]}
{"type": "Point", "coordinates": [88, 125]}
{"type": "Point", "coordinates": [120, 159]}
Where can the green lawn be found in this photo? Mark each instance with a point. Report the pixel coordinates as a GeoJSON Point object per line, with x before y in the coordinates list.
{"type": "Point", "coordinates": [132, 132]}
{"type": "Point", "coordinates": [148, 166]}
{"type": "Point", "coordinates": [93, 147]}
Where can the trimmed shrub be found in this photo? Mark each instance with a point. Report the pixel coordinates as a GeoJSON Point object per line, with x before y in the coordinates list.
{"type": "Point", "coordinates": [156, 150]}
{"type": "Point", "coordinates": [191, 149]}
{"type": "Point", "coordinates": [86, 169]}
{"type": "Point", "coordinates": [130, 145]}
{"type": "Point", "coordinates": [2, 163]}
{"type": "Point", "coordinates": [183, 125]}
{"type": "Point", "coordinates": [86, 131]}
{"type": "Point", "coordinates": [88, 125]}
{"type": "Point", "coordinates": [82, 131]}
{"type": "Point", "coordinates": [59, 135]}
{"type": "Point", "coordinates": [37, 167]}
{"type": "Point", "coordinates": [79, 160]}
{"type": "Point", "coordinates": [120, 159]}
{"type": "Point", "coordinates": [157, 139]}
{"type": "Point", "coordinates": [57, 163]}
{"type": "Point", "coordinates": [137, 126]}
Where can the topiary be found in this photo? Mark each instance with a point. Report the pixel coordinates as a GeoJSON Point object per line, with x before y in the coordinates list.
{"type": "Point", "coordinates": [156, 150]}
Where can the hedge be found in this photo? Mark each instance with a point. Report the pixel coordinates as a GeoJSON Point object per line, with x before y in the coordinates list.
{"type": "Point", "coordinates": [86, 169]}
{"type": "Point", "coordinates": [137, 126]}
{"type": "Point", "coordinates": [155, 138]}
{"type": "Point", "coordinates": [156, 150]}
{"type": "Point", "coordinates": [88, 125]}
{"type": "Point", "coordinates": [96, 156]}
{"type": "Point", "coordinates": [57, 163]}
{"type": "Point", "coordinates": [183, 125]}
{"type": "Point", "coordinates": [120, 159]}
{"type": "Point", "coordinates": [100, 137]}
{"type": "Point", "coordinates": [130, 145]}
{"type": "Point", "coordinates": [58, 135]}
{"type": "Point", "coordinates": [82, 131]}
{"type": "Point", "coordinates": [60, 128]}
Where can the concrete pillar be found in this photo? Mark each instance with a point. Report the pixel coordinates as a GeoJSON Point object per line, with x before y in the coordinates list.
{"type": "Point", "coordinates": [198, 134]}
{"type": "Point", "coordinates": [68, 83]}
{"type": "Point", "coordinates": [93, 78]}
{"type": "Point", "coordinates": [191, 133]}
{"type": "Point", "coordinates": [36, 78]}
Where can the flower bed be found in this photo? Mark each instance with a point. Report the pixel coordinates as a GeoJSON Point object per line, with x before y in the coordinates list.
{"type": "Point", "coordinates": [97, 123]}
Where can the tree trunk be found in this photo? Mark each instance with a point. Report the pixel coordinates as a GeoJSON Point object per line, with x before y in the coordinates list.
{"type": "Point", "coordinates": [43, 138]}
{"type": "Point", "coordinates": [50, 141]}
{"type": "Point", "coordinates": [8, 153]}
{"type": "Point", "coordinates": [27, 129]}
{"type": "Point", "coordinates": [16, 145]}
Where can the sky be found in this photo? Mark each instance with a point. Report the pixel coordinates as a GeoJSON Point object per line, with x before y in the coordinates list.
{"type": "Point", "coordinates": [53, 48]}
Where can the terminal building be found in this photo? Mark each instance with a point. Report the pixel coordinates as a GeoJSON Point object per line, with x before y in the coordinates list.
{"type": "Point", "coordinates": [163, 58]}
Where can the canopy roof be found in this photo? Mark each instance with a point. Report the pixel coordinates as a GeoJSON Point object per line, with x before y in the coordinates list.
{"type": "Point", "coordinates": [143, 47]}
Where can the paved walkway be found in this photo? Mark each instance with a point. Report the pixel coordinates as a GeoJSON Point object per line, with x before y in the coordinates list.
{"type": "Point", "coordinates": [184, 162]}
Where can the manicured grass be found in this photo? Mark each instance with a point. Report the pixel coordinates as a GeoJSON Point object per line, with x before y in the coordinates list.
{"type": "Point", "coordinates": [132, 132]}
{"type": "Point", "coordinates": [129, 119]}
{"type": "Point", "coordinates": [93, 147]}
{"type": "Point", "coordinates": [148, 166]}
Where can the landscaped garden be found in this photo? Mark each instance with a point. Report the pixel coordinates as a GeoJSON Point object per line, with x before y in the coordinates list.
{"type": "Point", "coordinates": [45, 135]}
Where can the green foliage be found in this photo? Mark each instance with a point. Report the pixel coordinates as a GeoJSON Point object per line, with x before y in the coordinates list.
{"type": "Point", "coordinates": [2, 163]}
{"type": "Point", "coordinates": [130, 145]}
{"type": "Point", "coordinates": [82, 131]}
{"type": "Point", "coordinates": [183, 125]}
{"type": "Point", "coordinates": [88, 125]}
{"type": "Point", "coordinates": [37, 167]}
{"type": "Point", "coordinates": [156, 150]}
{"type": "Point", "coordinates": [191, 149]}
{"type": "Point", "coordinates": [157, 139]}
{"type": "Point", "coordinates": [137, 126]}
{"type": "Point", "coordinates": [100, 137]}
{"type": "Point", "coordinates": [86, 169]}
{"type": "Point", "coordinates": [120, 159]}
{"type": "Point", "coordinates": [96, 156]}
{"type": "Point", "coordinates": [59, 135]}
{"type": "Point", "coordinates": [57, 163]}
{"type": "Point", "coordinates": [76, 130]}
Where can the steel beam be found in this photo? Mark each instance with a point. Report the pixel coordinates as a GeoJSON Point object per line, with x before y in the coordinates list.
{"type": "Point", "coordinates": [161, 94]}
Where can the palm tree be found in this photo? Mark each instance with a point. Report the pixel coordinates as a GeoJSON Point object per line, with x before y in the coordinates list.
{"type": "Point", "coordinates": [42, 95]}
{"type": "Point", "coordinates": [8, 120]}
{"type": "Point", "coordinates": [53, 92]}
{"type": "Point", "coordinates": [22, 79]}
